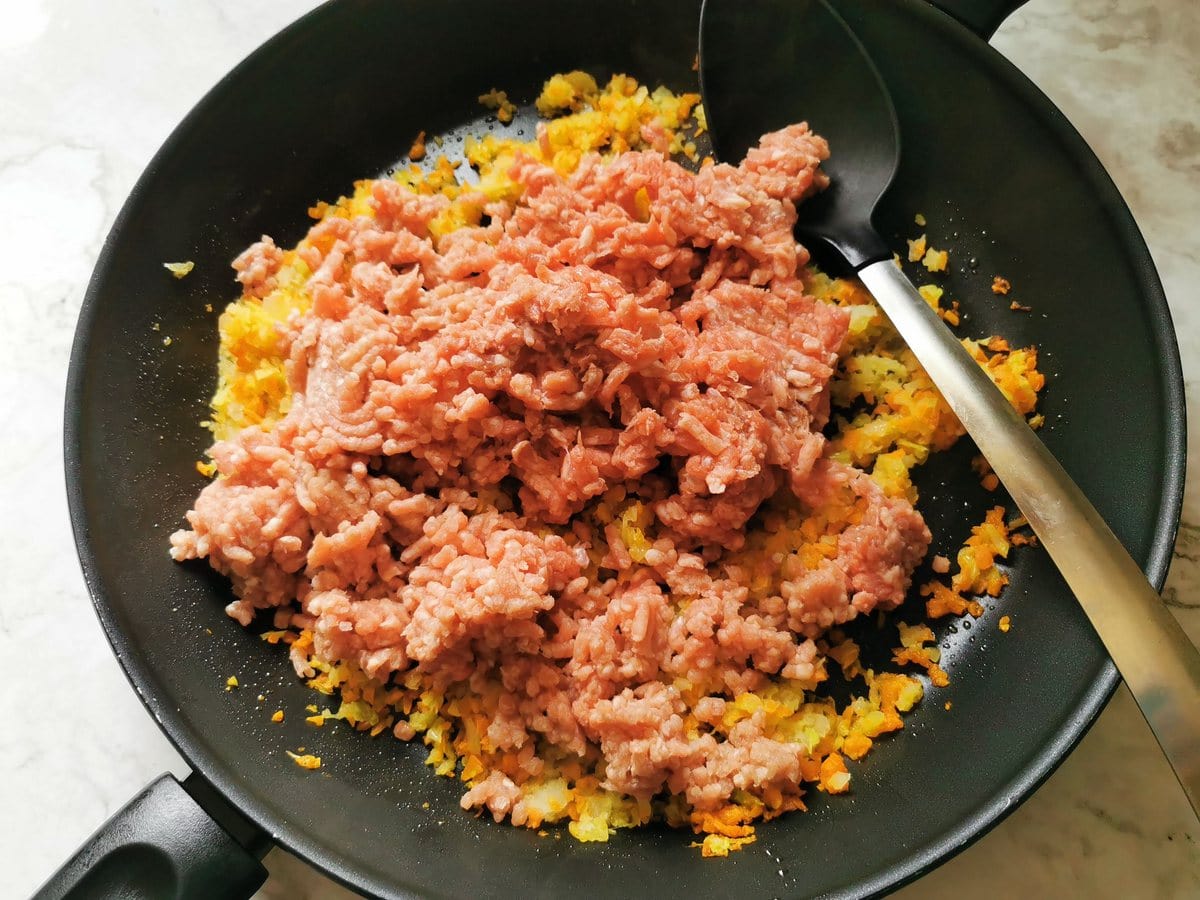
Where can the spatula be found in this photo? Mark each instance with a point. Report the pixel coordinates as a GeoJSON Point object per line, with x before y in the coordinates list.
{"type": "Point", "coordinates": [768, 63]}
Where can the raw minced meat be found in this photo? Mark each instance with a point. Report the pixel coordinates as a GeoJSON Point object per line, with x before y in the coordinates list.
{"type": "Point", "coordinates": [526, 453]}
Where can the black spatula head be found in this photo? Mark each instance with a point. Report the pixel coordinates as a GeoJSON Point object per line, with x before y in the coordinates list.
{"type": "Point", "coordinates": [765, 64]}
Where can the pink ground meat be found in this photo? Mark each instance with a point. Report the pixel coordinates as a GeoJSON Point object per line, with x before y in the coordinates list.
{"type": "Point", "coordinates": [561, 349]}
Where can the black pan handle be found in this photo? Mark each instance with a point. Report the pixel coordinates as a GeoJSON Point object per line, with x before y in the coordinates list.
{"type": "Point", "coordinates": [982, 16]}
{"type": "Point", "coordinates": [170, 842]}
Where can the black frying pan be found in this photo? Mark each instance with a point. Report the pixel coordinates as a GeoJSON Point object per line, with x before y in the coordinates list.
{"type": "Point", "coordinates": [1003, 178]}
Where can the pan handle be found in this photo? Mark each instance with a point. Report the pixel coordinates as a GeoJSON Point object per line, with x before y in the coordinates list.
{"type": "Point", "coordinates": [164, 843]}
{"type": "Point", "coordinates": [982, 16]}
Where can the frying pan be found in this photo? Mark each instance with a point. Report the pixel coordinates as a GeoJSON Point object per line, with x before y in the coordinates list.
{"type": "Point", "coordinates": [1002, 178]}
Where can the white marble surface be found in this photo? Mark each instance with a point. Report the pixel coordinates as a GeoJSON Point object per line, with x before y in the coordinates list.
{"type": "Point", "coordinates": [87, 93]}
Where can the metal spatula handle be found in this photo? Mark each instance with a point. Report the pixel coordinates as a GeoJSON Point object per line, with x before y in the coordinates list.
{"type": "Point", "coordinates": [1154, 656]}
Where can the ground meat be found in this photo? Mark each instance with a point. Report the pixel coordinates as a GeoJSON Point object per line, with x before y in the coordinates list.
{"type": "Point", "coordinates": [257, 266]}
{"type": "Point", "coordinates": [459, 407]}
{"type": "Point", "coordinates": [497, 792]}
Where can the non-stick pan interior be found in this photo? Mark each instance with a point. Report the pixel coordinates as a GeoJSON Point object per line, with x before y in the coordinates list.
{"type": "Point", "coordinates": [1004, 183]}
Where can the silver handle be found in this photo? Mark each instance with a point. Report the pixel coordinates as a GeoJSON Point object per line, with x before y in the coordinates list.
{"type": "Point", "coordinates": [1156, 659]}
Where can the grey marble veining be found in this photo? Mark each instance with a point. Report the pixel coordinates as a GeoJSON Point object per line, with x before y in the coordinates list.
{"type": "Point", "coordinates": [88, 91]}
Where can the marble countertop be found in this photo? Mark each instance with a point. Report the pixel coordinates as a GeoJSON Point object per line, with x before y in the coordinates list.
{"type": "Point", "coordinates": [88, 91]}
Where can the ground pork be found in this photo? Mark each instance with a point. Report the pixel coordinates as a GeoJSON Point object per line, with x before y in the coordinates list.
{"type": "Point", "coordinates": [458, 407]}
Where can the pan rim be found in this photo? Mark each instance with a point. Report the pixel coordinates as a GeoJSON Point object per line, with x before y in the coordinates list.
{"type": "Point", "coordinates": [304, 843]}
